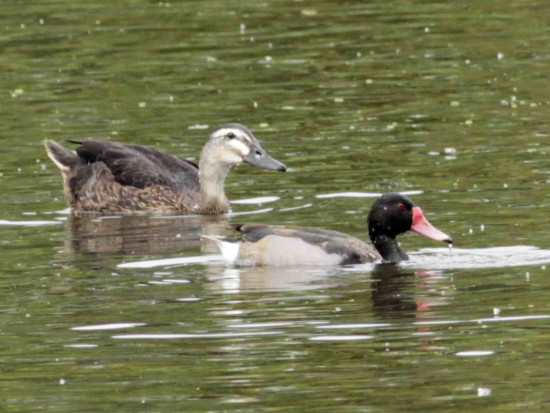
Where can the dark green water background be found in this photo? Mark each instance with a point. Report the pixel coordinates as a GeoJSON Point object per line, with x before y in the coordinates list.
{"type": "Point", "coordinates": [449, 99]}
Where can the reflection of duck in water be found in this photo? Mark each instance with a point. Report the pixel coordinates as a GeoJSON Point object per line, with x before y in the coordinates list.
{"type": "Point", "coordinates": [142, 234]}
{"type": "Point", "coordinates": [106, 176]}
{"type": "Point", "coordinates": [392, 291]}
{"type": "Point", "coordinates": [391, 215]}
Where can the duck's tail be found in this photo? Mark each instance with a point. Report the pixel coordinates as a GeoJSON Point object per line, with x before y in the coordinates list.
{"type": "Point", "coordinates": [229, 247]}
{"type": "Point", "coordinates": [62, 157]}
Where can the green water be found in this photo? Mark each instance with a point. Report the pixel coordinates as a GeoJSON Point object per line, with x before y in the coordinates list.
{"type": "Point", "coordinates": [448, 99]}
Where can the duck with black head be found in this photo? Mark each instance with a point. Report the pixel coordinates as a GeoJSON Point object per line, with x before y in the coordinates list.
{"type": "Point", "coordinates": [112, 177]}
{"type": "Point", "coordinates": [391, 215]}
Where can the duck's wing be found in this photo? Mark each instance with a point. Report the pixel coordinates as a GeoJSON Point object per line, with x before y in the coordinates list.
{"type": "Point", "coordinates": [352, 250]}
{"type": "Point", "coordinates": [139, 166]}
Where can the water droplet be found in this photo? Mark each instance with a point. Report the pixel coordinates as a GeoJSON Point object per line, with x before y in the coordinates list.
{"type": "Point", "coordinates": [309, 12]}
{"type": "Point", "coordinates": [483, 392]}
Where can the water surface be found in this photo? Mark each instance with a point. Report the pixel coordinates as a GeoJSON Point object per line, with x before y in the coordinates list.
{"type": "Point", "coordinates": [444, 101]}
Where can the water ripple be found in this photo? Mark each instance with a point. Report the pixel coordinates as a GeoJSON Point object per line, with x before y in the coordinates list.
{"type": "Point", "coordinates": [205, 335]}
{"type": "Point", "coordinates": [340, 338]}
{"type": "Point", "coordinates": [474, 353]}
{"type": "Point", "coordinates": [257, 201]}
{"type": "Point", "coordinates": [28, 223]}
{"type": "Point", "coordinates": [172, 261]}
{"type": "Point", "coordinates": [362, 194]}
{"type": "Point", "coordinates": [111, 326]}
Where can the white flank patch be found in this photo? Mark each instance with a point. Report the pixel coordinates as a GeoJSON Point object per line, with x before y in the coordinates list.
{"type": "Point", "coordinates": [229, 250]}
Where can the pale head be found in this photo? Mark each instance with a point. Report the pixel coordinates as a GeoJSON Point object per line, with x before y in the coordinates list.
{"type": "Point", "coordinates": [233, 143]}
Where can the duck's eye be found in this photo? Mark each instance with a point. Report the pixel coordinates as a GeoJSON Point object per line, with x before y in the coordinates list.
{"type": "Point", "coordinates": [230, 135]}
{"type": "Point", "coordinates": [401, 206]}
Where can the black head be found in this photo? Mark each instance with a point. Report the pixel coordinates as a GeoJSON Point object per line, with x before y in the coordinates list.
{"type": "Point", "coordinates": [393, 214]}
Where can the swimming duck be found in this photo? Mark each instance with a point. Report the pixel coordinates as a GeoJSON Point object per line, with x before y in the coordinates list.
{"type": "Point", "coordinates": [103, 176]}
{"type": "Point", "coordinates": [391, 215]}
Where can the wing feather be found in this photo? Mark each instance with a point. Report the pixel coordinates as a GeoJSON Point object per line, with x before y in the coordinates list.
{"type": "Point", "coordinates": [352, 249]}
{"type": "Point", "coordinates": [140, 166]}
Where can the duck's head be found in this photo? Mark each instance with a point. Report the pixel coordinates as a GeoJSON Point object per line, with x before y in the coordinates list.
{"type": "Point", "coordinates": [393, 214]}
{"type": "Point", "coordinates": [233, 143]}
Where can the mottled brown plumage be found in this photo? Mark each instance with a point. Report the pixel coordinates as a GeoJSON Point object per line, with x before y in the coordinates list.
{"type": "Point", "coordinates": [112, 177]}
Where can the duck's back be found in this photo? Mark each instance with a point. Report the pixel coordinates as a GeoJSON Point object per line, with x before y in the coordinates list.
{"type": "Point", "coordinates": [140, 166]}
{"type": "Point", "coordinates": [290, 245]}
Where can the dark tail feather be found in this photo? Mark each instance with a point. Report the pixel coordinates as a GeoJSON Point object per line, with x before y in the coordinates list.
{"type": "Point", "coordinates": [62, 157]}
{"type": "Point", "coordinates": [237, 227]}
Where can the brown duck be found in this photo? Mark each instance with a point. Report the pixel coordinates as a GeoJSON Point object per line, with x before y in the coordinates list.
{"type": "Point", "coordinates": [113, 177]}
{"type": "Point", "coordinates": [391, 215]}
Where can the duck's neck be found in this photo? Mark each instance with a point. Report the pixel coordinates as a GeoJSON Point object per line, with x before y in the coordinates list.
{"type": "Point", "coordinates": [389, 248]}
{"type": "Point", "coordinates": [212, 180]}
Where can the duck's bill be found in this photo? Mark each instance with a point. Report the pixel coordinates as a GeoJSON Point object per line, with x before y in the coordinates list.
{"type": "Point", "coordinates": [422, 226]}
{"type": "Point", "coordinates": [258, 157]}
